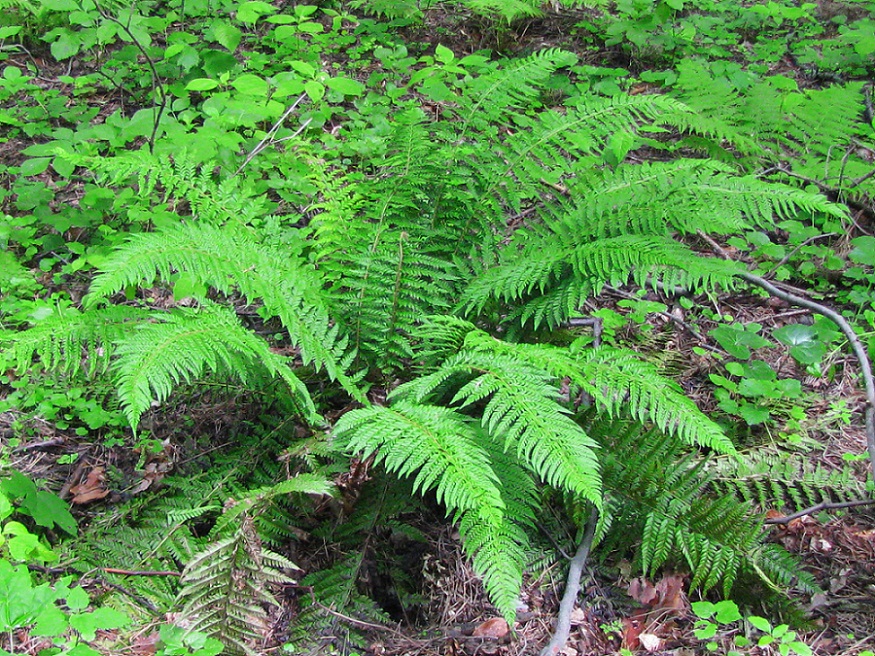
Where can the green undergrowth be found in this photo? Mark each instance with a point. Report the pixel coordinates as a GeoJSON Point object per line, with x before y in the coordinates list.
{"type": "Point", "coordinates": [389, 262]}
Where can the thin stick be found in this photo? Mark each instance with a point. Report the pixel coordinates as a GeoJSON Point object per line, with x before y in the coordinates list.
{"type": "Point", "coordinates": [821, 506]}
{"type": "Point", "coordinates": [572, 588]}
{"type": "Point", "coordinates": [268, 138]}
{"type": "Point", "coordinates": [856, 345]}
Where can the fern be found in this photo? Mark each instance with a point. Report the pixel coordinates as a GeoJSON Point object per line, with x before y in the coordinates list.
{"type": "Point", "coordinates": [69, 339]}
{"type": "Point", "coordinates": [190, 186]}
{"type": "Point", "coordinates": [228, 260]}
{"type": "Point", "coordinates": [182, 345]}
{"type": "Point", "coordinates": [225, 586]}
{"type": "Point", "coordinates": [773, 479]}
{"type": "Point", "coordinates": [511, 215]}
{"type": "Point", "coordinates": [663, 492]}
{"type": "Point", "coordinates": [821, 129]}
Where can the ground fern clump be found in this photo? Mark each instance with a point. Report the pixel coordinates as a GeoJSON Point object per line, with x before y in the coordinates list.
{"type": "Point", "coordinates": [408, 292]}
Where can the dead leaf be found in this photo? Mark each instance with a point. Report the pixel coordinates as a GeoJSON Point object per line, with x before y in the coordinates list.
{"type": "Point", "coordinates": [91, 489]}
{"type": "Point", "coordinates": [495, 627]}
{"type": "Point", "coordinates": [631, 631]}
{"type": "Point", "coordinates": [650, 642]}
{"type": "Point", "coordinates": [568, 650]}
{"type": "Point", "coordinates": [146, 645]}
{"type": "Point", "coordinates": [671, 593]}
{"type": "Point", "coordinates": [578, 617]}
{"type": "Point", "coordinates": [643, 591]}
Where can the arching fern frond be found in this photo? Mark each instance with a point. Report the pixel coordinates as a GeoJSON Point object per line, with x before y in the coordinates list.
{"type": "Point", "coordinates": [522, 413]}
{"type": "Point", "coordinates": [181, 178]}
{"type": "Point", "coordinates": [436, 444]}
{"type": "Point", "coordinates": [775, 479]}
{"type": "Point", "coordinates": [587, 267]}
{"type": "Point", "coordinates": [680, 196]}
{"type": "Point", "coordinates": [447, 453]}
{"type": "Point", "coordinates": [182, 346]}
{"type": "Point", "coordinates": [620, 384]}
{"type": "Point", "coordinates": [70, 340]}
{"type": "Point", "coordinates": [488, 99]}
{"type": "Point", "coordinates": [229, 260]}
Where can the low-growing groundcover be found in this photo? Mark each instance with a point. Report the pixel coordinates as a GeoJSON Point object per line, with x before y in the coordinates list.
{"type": "Point", "coordinates": [293, 294]}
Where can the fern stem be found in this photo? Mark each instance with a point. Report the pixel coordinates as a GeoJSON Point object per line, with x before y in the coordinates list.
{"type": "Point", "coordinates": [783, 521]}
{"type": "Point", "coordinates": [572, 588]}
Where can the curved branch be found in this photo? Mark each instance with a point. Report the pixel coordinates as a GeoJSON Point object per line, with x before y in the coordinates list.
{"type": "Point", "coordinates": [572, 587]}
{"type": "Point", "coordinates": [856, 345]}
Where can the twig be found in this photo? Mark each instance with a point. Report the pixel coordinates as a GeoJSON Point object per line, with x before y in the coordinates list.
{"type": "Point", "coordinates": [821, 506]}
{"type": "Point", "coordinates": [145, 603]}
{"type": "Point", "coordinates": [138, 572]}
{"type": "Point", "coordinates": [799, 247]}
{"type": "Point", "coordinates": [856, 345]}
{"type": "Point", "coordinates": [572, 587]}
{"type": "Point", "coordinates": [268, 138]}
{"type": "Point", "coordinates": [595, 322]}
{"type": "Point", "coordinates": [47, 444]}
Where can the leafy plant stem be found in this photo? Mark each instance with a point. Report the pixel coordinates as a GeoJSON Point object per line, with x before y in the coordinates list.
{"type": "Point", "coordinates": [157, 85]}
{"type": "Point", "coordinates": [572, 588]}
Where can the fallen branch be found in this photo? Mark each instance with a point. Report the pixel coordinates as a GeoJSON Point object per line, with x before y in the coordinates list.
{"type": "Point", "coordinates": [826, 505]}
{"type": "Point", "coordinates": [572, 587]}
{"type": "Point", "coordinates": [856, 345]}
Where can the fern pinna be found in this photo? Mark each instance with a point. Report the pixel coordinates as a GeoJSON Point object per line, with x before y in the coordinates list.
{"type": "Point", "coordinates": [445, 254]}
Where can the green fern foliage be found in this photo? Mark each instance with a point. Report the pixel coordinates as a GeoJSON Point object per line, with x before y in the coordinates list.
{"type": "Point", "coordinates": [225, 587]}
{"type": "Point", "coordinates": [70, 341]}
{"type": "Point", "coordinates": [653, 485]}
{"type": "Point", "coordinates": [773, 479]}
{"type": "Point", "coordinates": [182, 345]}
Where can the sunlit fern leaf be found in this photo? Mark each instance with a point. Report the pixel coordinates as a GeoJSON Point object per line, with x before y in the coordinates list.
{"type": "Point", "coordinates": [522, 413]}
{"type": "Point", "coordinates": [488, 99]}
{"type": "Point", "coordinates": [436, 445]}
{"type": "Point", "coordinates": [556, 264]}
{"type": "Point", "coordinates": [69, 340]}
{"type": "Point", "coordinates": [230, 261]}
{"type": "Point", "coordinates": [508, 11]}
{"type": "Point", "coordinates": [182, 345]}
{"type": "Point", "coordinates": [207, 198]}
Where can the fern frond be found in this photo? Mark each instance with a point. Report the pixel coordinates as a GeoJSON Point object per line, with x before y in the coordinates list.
{"type": "Point", "coordinates": [227, 261]}
{"type": "Point", "coordinates": [680, 196]}
{"type": "Point", "coordinates": [716, 537]}
{"type": "Point", "coordinates": [620, 384]}
{"type": "Point", "coordinates": [522, 413]}
{"type": "Point", "coordinates": [180, 177]}
{"type": "Point", "coordinates": [69, 339]}
{"type": "Point", "coordinates": [224, 589]}
{"type": "Point", "coordinates": [591, 266]}
{"type": "Point", "coordinates": [437, 444]}
{"type": "Point", "coordinates": [488, 99]}
{"type": "Point", "coordinates": [182, 345]}
{"type": "Point", "coordinates": [774, 479]}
